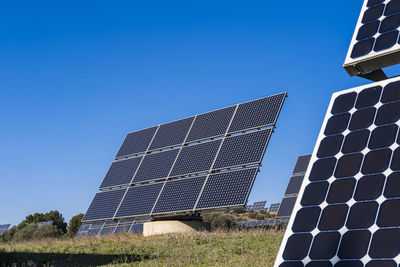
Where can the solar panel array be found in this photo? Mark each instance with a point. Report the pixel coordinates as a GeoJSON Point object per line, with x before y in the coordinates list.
{"type": "Point", "coordinates": [260, 205]}
{"type": "Point", "coordinates": [293, 187]}
{"type": "Point", "coordinates": [375, 42]}
{"type": "Point", "coordinates": [203, 162]}
{"type": "Point", "coordinates": [260, 223]}
{"type": "Point", "coordinates": [274, 207]}
{"type": "Point", "coordinates": [348, 209]}
{"type": "Point", "coordinates": [130, 226]}
{"type": "Point", "coordinates": [4, 227]}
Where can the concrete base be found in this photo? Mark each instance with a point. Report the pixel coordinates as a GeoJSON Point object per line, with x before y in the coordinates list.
{"type": "Point", "coordinates": [172, 227]}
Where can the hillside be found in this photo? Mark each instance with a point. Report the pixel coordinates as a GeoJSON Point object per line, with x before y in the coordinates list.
{"type": "Point", "coordinates": [236, 248]}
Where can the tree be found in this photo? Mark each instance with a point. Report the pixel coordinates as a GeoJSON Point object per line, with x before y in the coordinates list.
{"type": "Point", "coordinates": [54, 215]}
{"type": "Point", "coordinates": [74, 224]}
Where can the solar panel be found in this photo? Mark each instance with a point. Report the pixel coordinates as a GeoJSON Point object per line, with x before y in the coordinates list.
{"type": "Point", "coordinates": [93, 232]}
{"type": "Point", "coordinates": [243, 149]}
{"type": "Point", "coordinates": [121, 172]}
{"type": "Point", "coordinates": [44, 223]}
{"type": "Point", "coordinates": [136, 228]}
{"type": "Point", "coordinates": [5, 226]}
{"type": "Point", "coordinates": [211, 124]}
{"type": "Point", "coordinates": [107, 231]}
{"type": "Point", "coordinates": [189, 165]}
{"type": "Point", "coordinates": [226, 189]}
{"type": "Point", "coordinates": [347, 212]}
{"type": "Point", "coordinates": [301, 164]}
{"type": "Point", "coordinates": [294, 185]}
{"type": "Point", "coordinates": [136, 142]}
{"type": "Point", "coordinates": [375, 41]}
{"type": "Point", "coordinates": [259, 205]}
{"type": "Point", "coordinates": [257, 113]}
{"type": "Point", "coordinates": [274, 207]}
{"type": "Point", "coordinates": [171, 134]}
{"type": "Point", "coordinates": [286, 207]}
{"type": "Point", "coordinates": [104, 205]}
{"type": "Point", "coordinates": [122, 229]}
{"type": "Point", "coordinates": [157, 165]}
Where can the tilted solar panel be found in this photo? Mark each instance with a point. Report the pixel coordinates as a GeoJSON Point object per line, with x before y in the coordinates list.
{"type": "Point", "coordinates": [286, 207]}
{"type": "Point", "coordinates": [136, 142]}
{"type": "Point", "coordinates": [347, 210]}
{"type": "Point", "coordinates": [189, 165]}
{"type": "Point", "coordinates": [274, 207]}
{"type": "Point", "coordinates": [260, 205]}
{"type": "Point", "coordinates": [294, 185]}
{"type": "Point", "coordinates": [301, 164]}
{"type": "Point", "coordinates": [375, 43]}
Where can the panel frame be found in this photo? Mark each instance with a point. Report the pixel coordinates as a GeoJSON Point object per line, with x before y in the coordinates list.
{"type": "Point", "coordinates": [279, 258]}
{"type": "Point", "coordinates": [373, 60]}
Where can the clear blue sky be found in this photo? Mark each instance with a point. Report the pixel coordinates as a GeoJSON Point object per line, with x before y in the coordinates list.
{"type": "Point", "coordinates": [76, 76]}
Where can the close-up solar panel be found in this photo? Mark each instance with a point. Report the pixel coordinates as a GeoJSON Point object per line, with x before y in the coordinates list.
{"type": "Point", "coordinates": [202, 162]}
{"type": "Point", "coordinates": [347, 210]}
{"type": "Point", "coordinates": [375, 43]}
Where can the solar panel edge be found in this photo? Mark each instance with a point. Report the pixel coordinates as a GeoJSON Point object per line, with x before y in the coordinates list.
{"type": "Point", "coordinates": [279, 258]}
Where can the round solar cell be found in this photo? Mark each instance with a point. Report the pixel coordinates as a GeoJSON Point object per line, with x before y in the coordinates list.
{"type": "Point", "coordinates": [386, 41]}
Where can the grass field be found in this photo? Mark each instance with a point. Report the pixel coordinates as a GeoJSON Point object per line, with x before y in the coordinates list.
{"type": "Point", "coordinates": [237, 248]}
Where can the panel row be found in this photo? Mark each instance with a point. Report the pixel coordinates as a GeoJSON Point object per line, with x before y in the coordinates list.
{"type": "Point", "coordinates": [259, 113]}
{"type": "Point", "coordinates": [236, 150]}
{"type": "Point", "coordinates": [217, 190]}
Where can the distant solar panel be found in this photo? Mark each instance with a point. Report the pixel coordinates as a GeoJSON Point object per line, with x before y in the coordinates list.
{"type": "Point", "coordinates": [294, 185]}
{"type": "Point", "coordinates": [259, 205]}
{"type": "Point", "coordinates": [44, 223]}
{"type": "Point", "coordinates": [301, 164]}
{"type": "Point", "coordinates": [4, 227]}
{"type": "Point", "coordinates": [347, 212]}
{"type": "Point", "coordinates": [375, 43]}
{"type": "Point", "coordinates": [286, 207]}
{"type": "Point", "coordinates": [260, 223]}
{"type": "Point", "coordinates": [274, 207]}
{"type": "Point", "coordinates": [189, 165]}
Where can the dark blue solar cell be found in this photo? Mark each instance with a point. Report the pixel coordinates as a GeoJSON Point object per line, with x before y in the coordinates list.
{"type": "Point", "coordinates": [314, 194]}
{"type": "Point", "coordinates": [391, 92]}
{"type": "Point", "coordinates": [368, 30]}
{"type": "Point", "coordinates": [107, 231]}
{"type": "Point", "coordinates": [257, 113]}
{"type": "Point", "coordinates": [104, 205]}
{"type": "Point", "coordinates": [322, 169]}
{"type": "Point", "coordinates": [354, 244]}
{"type": "Point", "coordinates": [362, 215]}
{"type": "Point", "coordinates": [306, 219]}
{"type": "Point", "coordinates": [227, 189]}
{"type": "Point", "coordinates": [385, 244]}
{"type": "Point", "coordinates": [390, 23]}
{"type": "Point", "coordinates": [333, 217]}
{"type": "Point", "coordinates": [383, 136]}
{"type": "Point", "coordinates": [362, 48]}
{"type": "Point", "coordinates": [392, 188]}
{"type": "Point", "coordinates": [386, 41]}
{"type": "Point", "coordinates": [355, 141]}
{"type": "Point", "coordinates": [344, 103]}
{"type": "Point", "coordinates": [196, 158]}
{"type": "Point", "coordinates": [171, 134]}
{"type": "Point", "coordinates": [324, 246]}
{"type": "Point", "coordinates": [376, 161]}
{"type": "Point", "coordinates": [297, 247]}
{"type": "Point", "coordinates": [368, 97]}
{"type": "Point", "coordinates": [286, 208]}
{"type": "Point", "coordinates": [179, 195]}
{"type": "Point", "coordinates": [121, 172]}
{"type": "Point", "coordinates": [369, 187]}
{"type": "Point", "coordinates": [388, 113]}
{"type": "Point", "coordinates": [348, 165]}
{"type": "Point", "coordinates": [211, 124]}
{"type": "Point", "coordinates": [330, 146]}
{"type": "Point", "coordinates": [389, 214]}
{"type": "Point", "coordinates": [243, 149]}
{"type": "Point", "coordinates": [136, 142]}
{"type": "Point", "coordinates": [374, 2]}
{"type": "Point", "coordinates": [139, 200]}
{"type": "Point", "coordinates": [392, 7]}
{"type": "Point", "coordinates": [337, 124]}
{"type": "Point", "coordinates": [373, 13]}
{"type": "Point", "coordinates": [136, 228]}
{"type": "Point", "coordinates": [381, 263]}
{"type": "Point", "coordinates": [156, 165]}
{"type": "Point", "coordinates": [362, 119]}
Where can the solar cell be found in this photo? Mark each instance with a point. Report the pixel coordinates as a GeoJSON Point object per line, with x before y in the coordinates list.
{"type": "Point", "coordinates": [243, 149]}
{"type": "Point", "coordinates": [286, 207]}
{"type": "Point", "coordinates": [139, 200]}
{"type": "Point", "coordinates": [375, 41]}
{"type": "Point", "coordinates": [257, 113]}
{"type": "Point", "coordinates": [171, 134]}
{"type": "Point", "coordinates": [227, 189]}
{"type": "Point", "coordinates": [136, 142]}
{"type": "Point", "coordinates": [196, 158]}
{"type": "Point", "coordinates": [211, 124]}
{"type": "Point", "coordinates": [104, 205]}
{"type": "Point", "coordinates": [179, 195]}
{"type": "Point", "coordinates": [121, 172]}
{"type": "Point", "coordinates": [347, 213]}
{"type": "Point", "coordinates": [157, 165]}
{"type": "Point", "coordinates": [294, 185]}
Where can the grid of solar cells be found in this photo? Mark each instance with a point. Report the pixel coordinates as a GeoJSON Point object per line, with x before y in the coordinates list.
{"type": "Point", "coordinates": [243, 149]}
{"type": "Point", "coordinates": [136, 142]}
{"type": "Point", "coordinates": [211, 124]}
{"type": "Point", "coordinates": [227, 189]}
{"type": "Point", "coordinates": [139, 200]}
{"type": "Point", "coordinates": [121, 172]}
{"type": "Point", "coordinates": [377, 32]}
{"type": "Point", "coordinates": [171, 134]}
{"type": "Point", "coordinates": [196, 158]}
{"type": "Point", "coordinates": [257, 113]}
{"type": "Point", "coordinates": [260, 205]}
{"type": "Point", "coordinates": [104, 205]}
{"type": "Point", "coordinates": [301, 164]}
{"type": "Point", "coordinates": [179, 195]}
{"type": "Point", "coordinates": [274, 207]}
{"type": "Point", "coordinates": [349, 203]}
{"type": "Point", "coordinates": [286, 207]}
{"type": "Point", "coordinates": [157, 165]}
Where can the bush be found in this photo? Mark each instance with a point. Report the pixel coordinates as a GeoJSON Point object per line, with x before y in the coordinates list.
{"type": "Point", "coordinates": [220, 220]}
{"type": "Point", "coordinates": [74, 224]}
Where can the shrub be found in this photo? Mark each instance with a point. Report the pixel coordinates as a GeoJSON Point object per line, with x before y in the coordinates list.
{"type": "Point", "coordinates": [220, 220]}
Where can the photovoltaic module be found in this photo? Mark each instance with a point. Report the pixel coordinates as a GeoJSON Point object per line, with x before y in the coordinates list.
{"type": "Point", "coordinates": [375, 43]}
{"type": "Point", "coordinates": [203, 162]}
{"type": "Point", "coordinates": [347, 212]}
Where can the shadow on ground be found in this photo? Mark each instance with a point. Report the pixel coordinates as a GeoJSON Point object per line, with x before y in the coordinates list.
{"type": "Point", "coordinates": [59, 259]}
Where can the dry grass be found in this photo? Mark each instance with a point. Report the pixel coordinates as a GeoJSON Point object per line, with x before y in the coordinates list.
{"type": "Point", "coordinates": [237, 248]}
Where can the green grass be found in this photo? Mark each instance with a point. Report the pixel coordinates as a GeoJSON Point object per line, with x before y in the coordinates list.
{"type": "Point", "coordinates": [237, 248]}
